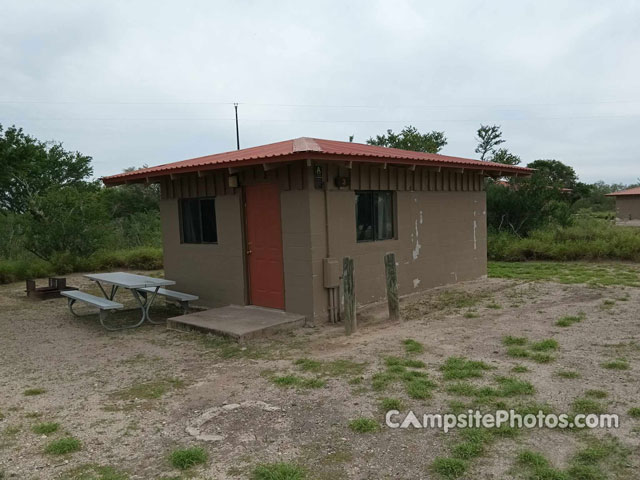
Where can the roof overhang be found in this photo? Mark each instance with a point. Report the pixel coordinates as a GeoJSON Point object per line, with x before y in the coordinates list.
{"type": "Point", "coordinates": [154, 175]}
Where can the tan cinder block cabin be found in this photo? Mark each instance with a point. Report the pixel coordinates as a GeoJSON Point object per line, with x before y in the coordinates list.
{"type": "Point", "coordinates": [627, 205]}
{"type": "Point", "coordinates": [269, 225]}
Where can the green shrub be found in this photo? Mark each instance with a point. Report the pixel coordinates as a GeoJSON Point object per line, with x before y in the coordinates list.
{"type": "Point", "coordinates": [186, 458]}
{"type": "Point", "coordinates": [586, 239]}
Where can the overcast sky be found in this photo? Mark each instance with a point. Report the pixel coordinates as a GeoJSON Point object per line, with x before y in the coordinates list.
{"type": "Point", "coordinates": [151, 82]}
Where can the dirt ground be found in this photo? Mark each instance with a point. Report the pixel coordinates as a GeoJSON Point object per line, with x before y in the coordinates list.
{"type": "Point", "coordinates": [131, 396]}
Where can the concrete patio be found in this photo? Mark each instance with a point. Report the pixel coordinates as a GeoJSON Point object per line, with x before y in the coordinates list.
{"type": "Point", "coordinates": [238, 322]}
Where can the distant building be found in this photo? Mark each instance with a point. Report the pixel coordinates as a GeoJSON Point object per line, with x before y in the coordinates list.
{"type": "Point", "coordinates": [627, 205]}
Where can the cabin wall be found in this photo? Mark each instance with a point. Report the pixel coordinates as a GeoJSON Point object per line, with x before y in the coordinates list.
{"type": "Point", "coordinates": [628, 207]}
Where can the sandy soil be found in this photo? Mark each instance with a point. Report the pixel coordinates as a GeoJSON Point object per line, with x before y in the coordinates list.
{"type": "Point", "coordinates": [94, 381]}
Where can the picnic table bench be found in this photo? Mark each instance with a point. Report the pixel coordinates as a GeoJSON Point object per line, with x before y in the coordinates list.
{"type": "Point", "coordinates": [144, 290]}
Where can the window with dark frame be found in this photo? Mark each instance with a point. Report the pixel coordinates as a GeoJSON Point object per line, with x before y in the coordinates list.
{"type": "Point", "coordinates": [198, 218]}
{"type": "Point", "coordinates": [374, 216]}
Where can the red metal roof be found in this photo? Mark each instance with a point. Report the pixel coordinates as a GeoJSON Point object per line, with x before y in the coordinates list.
{"type": "Point", "coordinates": [317, 149]}
{"type": "Point", "coordinates": [630, 191]}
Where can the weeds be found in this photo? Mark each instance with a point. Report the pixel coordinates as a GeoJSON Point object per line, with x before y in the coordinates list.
{"type": "Point", "coordinates": [300, 382]}
{"type": "Point", "coordinates": [569, 320]}
{"type": "Point", "coordinates": [634, 412]}
{"type": "Point", "coordinates": [335, 368]}
{"type": "Point", "coordinates": [587, 406]}
{"type": "Point", "coordinates": [388, 403]}
{"type": "Point", "coordinates": [183, 459]}
{"type": "Point", "coordinates": [568, 374]}
{"type": "Point", "coordinates": [511, 341]}
{"type": "Point", "coordinates": [449, 467]}
{"type": "Point", "coordinates": [618, 364]}
{"type": "Point", "coordinates": [364, 425]}
{"type": "Point", "coordinates": [544, 345]}
{"type": "Point", "coordinates": [30, 392]}
{"type": "Point", "coordinates": [412, 346]}
{"type": "Point", "coordinates": [45, 428]}
{"type": "Point", "coordinates": [148, 390]}
{"type": "Point", "coordinates": [278, 471]}
{"type": "Point", "coordinates": [458, 368]}
{"type": "Point", "coordinates": [63, 446]}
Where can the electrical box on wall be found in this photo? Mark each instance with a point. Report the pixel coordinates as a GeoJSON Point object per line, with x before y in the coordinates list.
{"type": "Point", "coordinates": [332, 272]}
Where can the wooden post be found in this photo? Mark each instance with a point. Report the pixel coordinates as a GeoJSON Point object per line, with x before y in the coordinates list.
{"type": "Point", "coordinates": [348, 290]}
{"type": "Point", "coordinates": [392, 286]}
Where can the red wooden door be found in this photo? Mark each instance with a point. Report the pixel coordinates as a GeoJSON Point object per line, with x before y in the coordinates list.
{"type": "Point", "coordinates": [264, 245]}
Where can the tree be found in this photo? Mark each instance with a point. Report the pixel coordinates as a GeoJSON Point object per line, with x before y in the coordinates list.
{"type": "Point", "coordinates": [554, 173]}
{"type": "Point", "coordinates": [411, 139]}
{"type": "Point", "coordinates": [29, 167]}
{"type": "Point", "coordinates": [504, 156]}
{"type": "Point", "coordinates": [488, 137]}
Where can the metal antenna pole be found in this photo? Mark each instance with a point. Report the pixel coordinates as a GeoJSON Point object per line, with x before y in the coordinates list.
{"type": "Point", "coordinates": [235, 105]}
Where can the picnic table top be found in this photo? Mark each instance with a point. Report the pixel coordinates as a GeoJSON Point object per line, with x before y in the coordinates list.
{"type": "Point", "coordinates": [129, 280]}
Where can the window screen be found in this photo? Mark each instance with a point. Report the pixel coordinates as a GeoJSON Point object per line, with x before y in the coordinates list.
{"type": "Point", "coordinates": [199, 220]}
{"type": "Point", "coordinates": [374, 216]}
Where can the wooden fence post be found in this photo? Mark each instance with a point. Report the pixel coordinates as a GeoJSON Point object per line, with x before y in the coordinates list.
{"type": "Point", "coordinates": [391, 276]}
{"type": "Point", "coordinates": [348, 290]}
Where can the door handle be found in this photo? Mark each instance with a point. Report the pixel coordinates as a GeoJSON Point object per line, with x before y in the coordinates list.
{"type": "Point", "coordinates": [249, 252]}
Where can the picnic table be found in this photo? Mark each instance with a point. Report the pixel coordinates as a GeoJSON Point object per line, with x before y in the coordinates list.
{"type": "Point", "coordinates": [144, 290]}
{"type": "Point", "coordinates": [133, 283]}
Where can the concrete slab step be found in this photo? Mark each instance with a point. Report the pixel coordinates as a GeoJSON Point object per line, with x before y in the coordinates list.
{"type": "Point", "coordinates": [237, 321]}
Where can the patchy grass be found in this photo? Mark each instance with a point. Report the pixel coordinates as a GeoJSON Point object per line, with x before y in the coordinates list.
{"type": "Point", "coordinates": [569, 320]}
{"type": "Point", "coordinates": [458, 368]}
{"type": "Point", "coordinates": [568, 374]}
{"type": "Point", "coordinates": [185, 458]}
{"type": "Point", "coordinates": [511, 341]}
{"type": "Point", "coordinates": [449, 467]}
{"type": "Point", "coordinates": [45, 428]}
{"type": "Point", "coordinates": [412, 346]}
{"type": "Point", "coordinates": [403, 362]}
{"type": "Point", "coordinates": [278, 471]}
{"type": "Point", "coordinates": [540, 357]}
{"type": "Point", "coordinates": [544, 345]}
{"type": "Point", "coordinates": [470, 314]}
{"type": "Point", "coordinates": [335, 368]}
{"type": "Point", "coordinates": [634, 412]}
{"type": "Point", "coordinates": [595, 462]}
{"type": "Point", "coordinates": [518, 352]}
{"type": "Point", "coordinates": [513, 386]}
{"type": "Point", "coordinates": [494, 306]}
{"type": "Point", "coordinates": [567, 272]}
{"type": "Point", "coordinates": [617, 364]}
{"type": "Point", "coordinates": [420, 388]}
{"type": "Point", "coordinates": [416, 383]}
{"type": "Point", "coordinates": [596, 394]}
{"type": "Point", "coordinates": [364, 425]}
{"type": "Point", "coordinates": [389, 403]}
{"type": "Point", "coordinates": [587, 406]}
{"type": "Point", "coordinates": [31, 392]}
{"type": "Point", "coordinates": [95, 472]}
{"type": "Point", "coordinates": [519, 369]}
{"type": "Point", "coordinates": [148, 390]}
{"type": "Point", "coordinates": [63, 446]}
{"type": "Point", "coordinates": [300, 382]}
